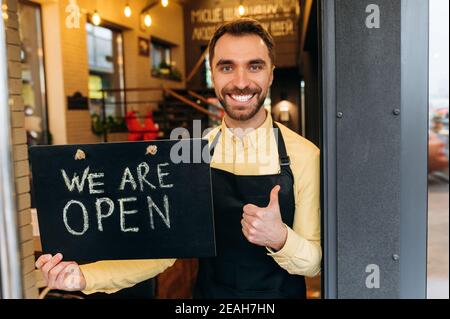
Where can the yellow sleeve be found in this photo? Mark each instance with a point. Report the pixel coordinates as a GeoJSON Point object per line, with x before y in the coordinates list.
{"type": "Point", "coordinates": [110, 276]}
{"type": "Point", "coordinates": [302, 253]}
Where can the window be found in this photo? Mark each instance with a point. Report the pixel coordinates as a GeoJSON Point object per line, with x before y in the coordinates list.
{"type": "Point", "coordinates": [106, 71]}
{"type": "Point", "coordinates": [100, 47]}
{"type": "Point", "coordinates": [162, 62]}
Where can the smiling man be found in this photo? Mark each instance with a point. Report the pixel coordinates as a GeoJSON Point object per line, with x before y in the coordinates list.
{"type": "Point", "coordinates": [265, 181]}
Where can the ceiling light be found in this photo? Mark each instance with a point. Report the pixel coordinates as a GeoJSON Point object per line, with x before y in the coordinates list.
{"type": "Point", "coordinates": [241, 10]}
{"type": "Point", "coordinates": [127, 11]}
{"type": "Point", "coordinates": [148, 20]}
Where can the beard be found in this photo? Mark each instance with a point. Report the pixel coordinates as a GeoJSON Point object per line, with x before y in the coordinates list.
{"type": "Point", "coordinates": [250, 110]}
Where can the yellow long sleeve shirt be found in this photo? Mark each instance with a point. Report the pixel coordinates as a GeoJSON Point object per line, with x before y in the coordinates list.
{"type": "Point", "coordinates": [244, 153]}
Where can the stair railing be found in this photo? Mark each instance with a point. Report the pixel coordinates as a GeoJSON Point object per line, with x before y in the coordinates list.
{"type": "Point", "coordinates": [165, 91]}
{"type": "Point", "coordinates": [197, 66]}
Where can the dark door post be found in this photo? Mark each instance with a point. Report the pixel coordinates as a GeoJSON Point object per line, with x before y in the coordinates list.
{"type": "Point", "coordinates": [374, 98]}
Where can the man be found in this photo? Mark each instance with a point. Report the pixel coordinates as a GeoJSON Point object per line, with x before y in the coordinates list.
{"type": "Point", "coordinates": [265, 191]}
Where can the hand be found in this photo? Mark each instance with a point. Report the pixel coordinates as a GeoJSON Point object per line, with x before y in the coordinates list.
{"type": "Point", "coordinates": [263, 226]}
{"type": "Point", "coordinates": [61, 275]}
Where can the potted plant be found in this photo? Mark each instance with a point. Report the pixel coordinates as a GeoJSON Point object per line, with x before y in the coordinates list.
{"type": "Point", "coordinates": [166, 71]}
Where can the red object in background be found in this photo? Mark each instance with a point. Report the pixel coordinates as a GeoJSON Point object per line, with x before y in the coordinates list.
{"type": "Point", "coordinates": [134, 126]}
{"type": "Point", "coordinates": [437, 159]}
{"type": "Point", "coordinates": [151, 130]}
{"type": "Point", "coordinates": [139, 132]}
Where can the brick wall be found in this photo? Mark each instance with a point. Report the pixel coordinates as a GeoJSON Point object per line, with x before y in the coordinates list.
{"type": "Point", "coordinates": [167, 24]}
{"type": "Point", "coordinates": [20, 151]}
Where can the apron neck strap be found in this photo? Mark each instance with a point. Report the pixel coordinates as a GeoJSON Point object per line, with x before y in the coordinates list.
{"type": "Point", "coordinates": [284, 158]}
{"type": "Point", "coordinates": [282, 153]}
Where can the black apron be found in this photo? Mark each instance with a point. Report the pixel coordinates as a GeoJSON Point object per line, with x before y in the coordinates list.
{"type": "Point", "coordinates": [242, 269]}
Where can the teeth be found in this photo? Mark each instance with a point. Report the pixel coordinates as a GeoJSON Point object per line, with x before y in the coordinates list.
{"type": "Point", "coordinates": [241, 98]}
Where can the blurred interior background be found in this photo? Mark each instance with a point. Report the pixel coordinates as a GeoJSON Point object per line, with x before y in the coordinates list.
{"type": "Point", "coordinates": [438, 196]}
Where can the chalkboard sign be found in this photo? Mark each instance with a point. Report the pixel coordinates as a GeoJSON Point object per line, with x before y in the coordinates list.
{"type": "Point", "coordinates": [133, 200]}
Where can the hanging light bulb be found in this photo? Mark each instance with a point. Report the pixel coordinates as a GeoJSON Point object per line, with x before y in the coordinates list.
{"type": "Point", "coordinates": [4, 12]}
{"type": "Point", "coordinates": [148, 20]}
{"type": "Point", "coordinates": [164, 3]}
{"type": "Point", "coordinates": [96, 20]}
{"type": "Point", "coordinates": [127, 11]}
{"type": "Point", "coordinates": [241, 10]}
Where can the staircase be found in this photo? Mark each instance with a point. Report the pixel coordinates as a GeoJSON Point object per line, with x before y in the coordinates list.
{"type": "Point", "coordinates": [174, 113]}
{"type": "Point", "coordinates": [178, 108]}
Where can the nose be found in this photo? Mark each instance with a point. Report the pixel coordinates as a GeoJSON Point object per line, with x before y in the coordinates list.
{"type": "Point", "coordinates": [241, 79]}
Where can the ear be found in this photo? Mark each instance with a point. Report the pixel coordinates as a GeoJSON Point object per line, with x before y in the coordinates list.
{"type": "Point", "coordinates": [271, 75]}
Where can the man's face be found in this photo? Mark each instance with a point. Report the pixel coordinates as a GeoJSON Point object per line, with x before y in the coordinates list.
{"type": "Point", "coordinates": [242, 74]}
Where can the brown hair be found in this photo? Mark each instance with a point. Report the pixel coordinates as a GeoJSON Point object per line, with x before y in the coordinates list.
{"type": "Point", "coordinates": [241, 27]}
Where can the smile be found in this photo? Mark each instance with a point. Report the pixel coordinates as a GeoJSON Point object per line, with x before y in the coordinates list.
{"type": "Point", "coordinates": [242, 98]}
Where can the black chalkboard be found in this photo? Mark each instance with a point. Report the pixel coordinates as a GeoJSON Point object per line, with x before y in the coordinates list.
{"type": "Point", "coordinates": [132, 200]}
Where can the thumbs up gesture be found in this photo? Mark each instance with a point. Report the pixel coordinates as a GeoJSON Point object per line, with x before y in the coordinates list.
{"type": "Point", "coordinates": [263, 226]}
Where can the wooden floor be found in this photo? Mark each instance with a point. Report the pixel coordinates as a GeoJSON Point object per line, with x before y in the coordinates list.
{"type": "Point", "coordinates": [313, 286]}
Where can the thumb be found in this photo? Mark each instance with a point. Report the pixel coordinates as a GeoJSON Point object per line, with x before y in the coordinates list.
{"type": "Point", "coordinates": [274, 196]}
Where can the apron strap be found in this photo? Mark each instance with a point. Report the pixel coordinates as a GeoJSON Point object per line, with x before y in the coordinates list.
{"type": "Point", "coordinates": [212, 148]}
{"type": "Point", "coordinates": [282, 153]}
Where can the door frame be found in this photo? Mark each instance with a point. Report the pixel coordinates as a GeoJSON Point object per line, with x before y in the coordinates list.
{"type": "Point", "coordinates": [413, 152]}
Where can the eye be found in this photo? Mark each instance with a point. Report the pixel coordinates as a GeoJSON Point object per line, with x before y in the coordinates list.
{"type": "Point", "coordinates": [226, 68]}
{"type": "Point", "coordinates": [255, 67]}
